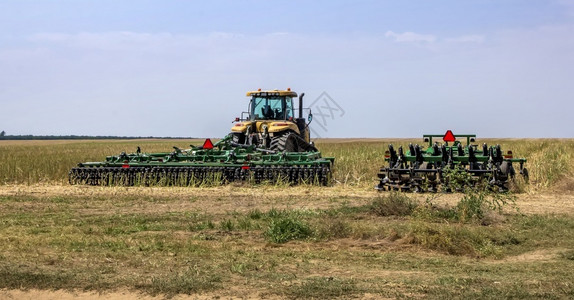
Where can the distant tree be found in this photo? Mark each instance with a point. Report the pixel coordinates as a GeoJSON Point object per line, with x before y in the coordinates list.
{"type": "Point", "coordinates": [3, 133]}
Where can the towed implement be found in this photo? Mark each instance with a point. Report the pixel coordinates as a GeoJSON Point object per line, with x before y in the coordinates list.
{"type": "Point", "coordinates": [268, 145]}
{"type": "Point", "coordinates": [448, 166]}
{"type": "Point", "coordinates": [222, 162]}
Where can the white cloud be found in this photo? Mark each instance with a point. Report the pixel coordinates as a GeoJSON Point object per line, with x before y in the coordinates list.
{"type": "Point", "coordinates": [411, 37]}
{"type": "Point", "coordinates": [429, 38]}
{"type": "Point", "coordinates": [467, 39]}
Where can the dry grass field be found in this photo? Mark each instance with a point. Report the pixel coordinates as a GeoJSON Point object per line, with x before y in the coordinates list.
{"type": "Point", "coordinates": [271, 241]}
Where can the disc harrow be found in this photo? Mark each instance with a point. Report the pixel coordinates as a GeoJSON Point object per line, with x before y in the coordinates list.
{"type": "Point", "coordinates": [219, 163]}
{"type": "Point", "coordinates": [448, 167]}
{"type": "Point", "coordinates": [190, 176]}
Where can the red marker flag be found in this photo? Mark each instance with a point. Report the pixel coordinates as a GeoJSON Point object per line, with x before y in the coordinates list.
{"type": "Point", "coordinates": [207, 144]}
{"type": "Point", "coordinates": [449, 136]}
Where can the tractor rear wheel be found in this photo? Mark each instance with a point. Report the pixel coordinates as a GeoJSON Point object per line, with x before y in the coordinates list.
{"type": "Point", "coordinates": [291, 142]}
{"type": "Point", "coordinates": [286, 142]}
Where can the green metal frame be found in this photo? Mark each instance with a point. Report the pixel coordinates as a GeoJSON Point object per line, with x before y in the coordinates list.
{"type": "Point", "coordinates": [223, 154]}
{"type": "Point", "coordinates": [469, 138]}
{"type": "Point", "coordinates": [480, 156]}
{"type": "Point", "coordinates": [418, 167]}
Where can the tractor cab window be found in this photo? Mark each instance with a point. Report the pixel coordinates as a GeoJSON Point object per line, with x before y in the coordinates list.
{"type": "Point", "coordinates": [271, 108]}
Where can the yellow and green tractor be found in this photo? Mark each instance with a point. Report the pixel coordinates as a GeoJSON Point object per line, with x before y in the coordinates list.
{"type": "Point", "coordinates": [271, 122]}
{"type": "Point", "coordinates": [268, 143]}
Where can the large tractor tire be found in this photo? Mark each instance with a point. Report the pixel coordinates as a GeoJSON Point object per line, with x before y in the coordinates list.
{"type": "Point", "coordinates": [285, 142]}
{"type": "Point", "coordinates": [290, 142]}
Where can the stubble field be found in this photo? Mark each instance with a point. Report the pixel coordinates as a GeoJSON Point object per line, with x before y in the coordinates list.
{"type": "Point", "coordinates": [276, 241]}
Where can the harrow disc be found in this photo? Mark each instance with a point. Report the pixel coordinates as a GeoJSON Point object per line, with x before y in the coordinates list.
{"type": "Point", "coordinates": [191, 176]}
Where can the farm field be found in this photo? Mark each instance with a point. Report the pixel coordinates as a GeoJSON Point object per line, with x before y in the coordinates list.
{"type": "Point", "coordinates": [274, 241]}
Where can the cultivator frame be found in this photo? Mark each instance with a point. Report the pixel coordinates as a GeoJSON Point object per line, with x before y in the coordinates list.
{"type": "Point", "coordinates": [449, 167]}
{"type": "Point", "coordinates": [222, 162]}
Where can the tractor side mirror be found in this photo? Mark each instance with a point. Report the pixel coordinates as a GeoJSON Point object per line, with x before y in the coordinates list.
{"type": "Point", "coordinates": [472, 140]}
{"type": "Point", "coordinates": [310, 117]}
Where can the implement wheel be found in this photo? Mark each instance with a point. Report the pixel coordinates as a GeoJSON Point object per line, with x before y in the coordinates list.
{"type": "Point", "coordinates": [524, 173]}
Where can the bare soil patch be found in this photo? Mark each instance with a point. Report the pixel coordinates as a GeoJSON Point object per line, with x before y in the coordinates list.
{"type": "Point", "coordinates": [243, 198]}
{"type": "Point", "coordinates": [116, 295]}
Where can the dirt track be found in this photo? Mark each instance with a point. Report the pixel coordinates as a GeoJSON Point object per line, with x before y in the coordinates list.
{"type": "Point", "coordinates": [242, 199]}
{"type": "Point", "coordinates": [118, 295]}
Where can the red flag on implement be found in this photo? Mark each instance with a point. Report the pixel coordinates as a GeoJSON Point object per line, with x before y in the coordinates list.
{"type": "Point", "coordinates": [207, 144]}
{"type": "Point", "coordinates": [448, 136]}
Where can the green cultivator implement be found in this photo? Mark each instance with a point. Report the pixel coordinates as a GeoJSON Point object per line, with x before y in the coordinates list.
{"type": "Point", "coordinates": [448, 166]}
{"type": "Point", "coordinates": [268, 143]}
{"type": "Point", "coordinates": [222, 162]}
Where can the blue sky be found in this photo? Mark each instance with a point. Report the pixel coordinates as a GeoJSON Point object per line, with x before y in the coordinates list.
{"type": "Point", "coordinates": [391, 68]}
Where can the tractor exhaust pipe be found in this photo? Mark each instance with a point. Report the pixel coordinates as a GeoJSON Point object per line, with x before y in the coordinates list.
{"type": "Point", "coordinates": [301, 105]}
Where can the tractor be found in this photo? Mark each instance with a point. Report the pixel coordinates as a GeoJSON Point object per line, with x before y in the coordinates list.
{"type": "Point", "coordinates": [271, 123]}
{"type": "Point", "coordinates": [267, 144]}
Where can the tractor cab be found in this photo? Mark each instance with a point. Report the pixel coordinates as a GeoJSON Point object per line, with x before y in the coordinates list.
{"type": "Point", "coordinates": [271, 107]}
{"type": "Point", "coordinates": [270, 122]}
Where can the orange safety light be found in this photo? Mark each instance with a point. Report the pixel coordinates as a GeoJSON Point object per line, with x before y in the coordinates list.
{"type": "Point", "coordinates": [207, 144]}
{"type": "Point", "coordinates": [259, 90]}
{"type": "Point", "coordinates": [449, 136]}
{"type": "Point", "coordinates": [244, 167]}
{"type": "Point", "coordinates": [289, 89]}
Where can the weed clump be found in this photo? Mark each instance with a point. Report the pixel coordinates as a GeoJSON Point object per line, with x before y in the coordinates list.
{"type": "Point", "coordinates": [188, 282]}
{"type": "Point", "coordinates": [463, 239]}
{"type": "Point", "coordinates": [227, 225]}
{"type": "Point", "coordinates": [324, 287]}
{"type": "Point", "coordinates": [569, 255]}
{"type": "Point", "coordinates": [393, 204]}
{"type": "Point", "coordinates": [333, 228]}
{"type": "Point", "coordinates": [447, 239]}
{"type": "Point", "coordinates": [284, 229]}
{"type": "Point", "coordinates": [477, 206]}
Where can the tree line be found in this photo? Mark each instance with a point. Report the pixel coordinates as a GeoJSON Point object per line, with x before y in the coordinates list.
{"type": "Point", "coordinates": [4, 136]}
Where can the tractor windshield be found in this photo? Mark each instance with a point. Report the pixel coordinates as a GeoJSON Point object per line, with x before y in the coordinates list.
{"type": "Point", "coordinates": [271, 108]}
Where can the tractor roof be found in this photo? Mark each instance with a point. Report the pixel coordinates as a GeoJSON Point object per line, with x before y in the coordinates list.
{"type": "Point", "coordinates": [259, 92]}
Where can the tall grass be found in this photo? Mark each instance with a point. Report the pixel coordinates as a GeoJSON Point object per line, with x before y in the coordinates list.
{"type": "Point", "coordinates": [357, 162]}
{"type": "Point", "coordinates": [31, 162]}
